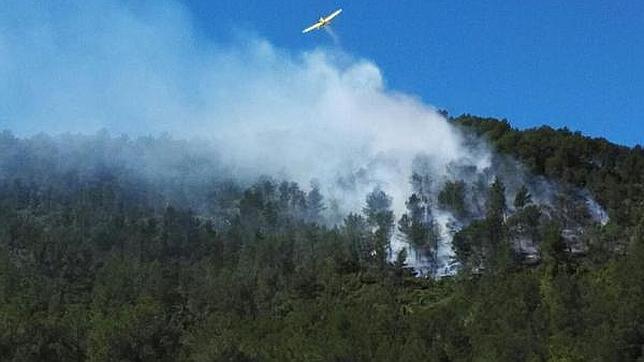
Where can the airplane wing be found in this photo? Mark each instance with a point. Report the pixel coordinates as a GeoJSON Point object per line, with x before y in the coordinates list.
{"type": "Point", "coordinates": [312, 27]}
{"type": "Point", "coordinates": [333, 15]}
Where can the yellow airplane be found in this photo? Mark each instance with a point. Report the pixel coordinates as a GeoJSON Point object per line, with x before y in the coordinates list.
{"type": "Point", "coordinates": [323, 22]}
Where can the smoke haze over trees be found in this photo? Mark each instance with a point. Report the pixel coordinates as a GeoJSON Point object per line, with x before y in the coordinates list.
{"type": "Point", "coordinates": [109, 252]}
{"type": "Point", "coordinates": [161, 199]}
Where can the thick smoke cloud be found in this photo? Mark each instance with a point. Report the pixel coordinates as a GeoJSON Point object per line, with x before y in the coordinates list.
{"type": "Point", "coordinates": [141, 68]}
{"type": "Point", "coordinates": [82, 66]}
{"type": "Point", "coordinates": [322, 114]}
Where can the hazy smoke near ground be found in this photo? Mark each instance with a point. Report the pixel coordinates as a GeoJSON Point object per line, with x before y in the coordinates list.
{"type": "Point", "coordinates": [142, 69]}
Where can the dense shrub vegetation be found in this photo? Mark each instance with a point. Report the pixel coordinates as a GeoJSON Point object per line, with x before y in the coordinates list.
{"type": "Point", "coordinates": [98, 262]}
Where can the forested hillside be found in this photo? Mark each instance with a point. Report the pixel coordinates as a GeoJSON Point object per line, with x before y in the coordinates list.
{"type": "Point", "coordinates": [615, 174]}
{"type": "Point", "coordinates": [148, 250]}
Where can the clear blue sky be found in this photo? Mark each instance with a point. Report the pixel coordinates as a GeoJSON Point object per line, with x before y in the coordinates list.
{"type": "Point", "coordinates": [578, 64]}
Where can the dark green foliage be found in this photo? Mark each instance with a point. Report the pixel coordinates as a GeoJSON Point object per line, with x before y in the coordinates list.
{"type": "Point", "coordinates": [417, 224]}
{"type": "Point", "coordinates": [314, 203]}
{"type": "Point", "coordinates": [553, 247]}
{"type": "Point", "coordinates": [485, 244]}
{"type": "Point", "coordinates": [522, 198]}
{"type": "Point", "coordinates": [614, 174]}
{"type": "Point", "coordinates": [496, 206]}
{"type": "Point", "coordinates": [472, 244]}
{"type": "Point", "coordinates": [378, 210]}
{"type": "Point", "coordinates": [452, 197]}
{"type": "Point", "coordinates": [99, 263]}
{"type": "Point", "coordinates": [381, 217]}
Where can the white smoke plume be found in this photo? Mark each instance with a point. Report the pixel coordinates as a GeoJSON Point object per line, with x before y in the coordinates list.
{"type": "Point", "coordinates": [322, 114]}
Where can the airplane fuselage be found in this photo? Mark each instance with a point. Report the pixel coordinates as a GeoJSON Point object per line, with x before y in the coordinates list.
{"type": "Point", "coordinates": [323, 21]}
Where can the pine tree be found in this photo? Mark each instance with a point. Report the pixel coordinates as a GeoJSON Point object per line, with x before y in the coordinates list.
{"type": "Point", "coordinates": [498, 249]}
{"type": "Point", "coordinates": [314, 204]}
{"type": "Point", "coordinates": [452, 197]}
{"type": "Point", "coordinates": [522, 198]}
{"type": "Point", "coordinates": [381, 217]}
{"type": "Point", "coordinates": [496, 205]}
